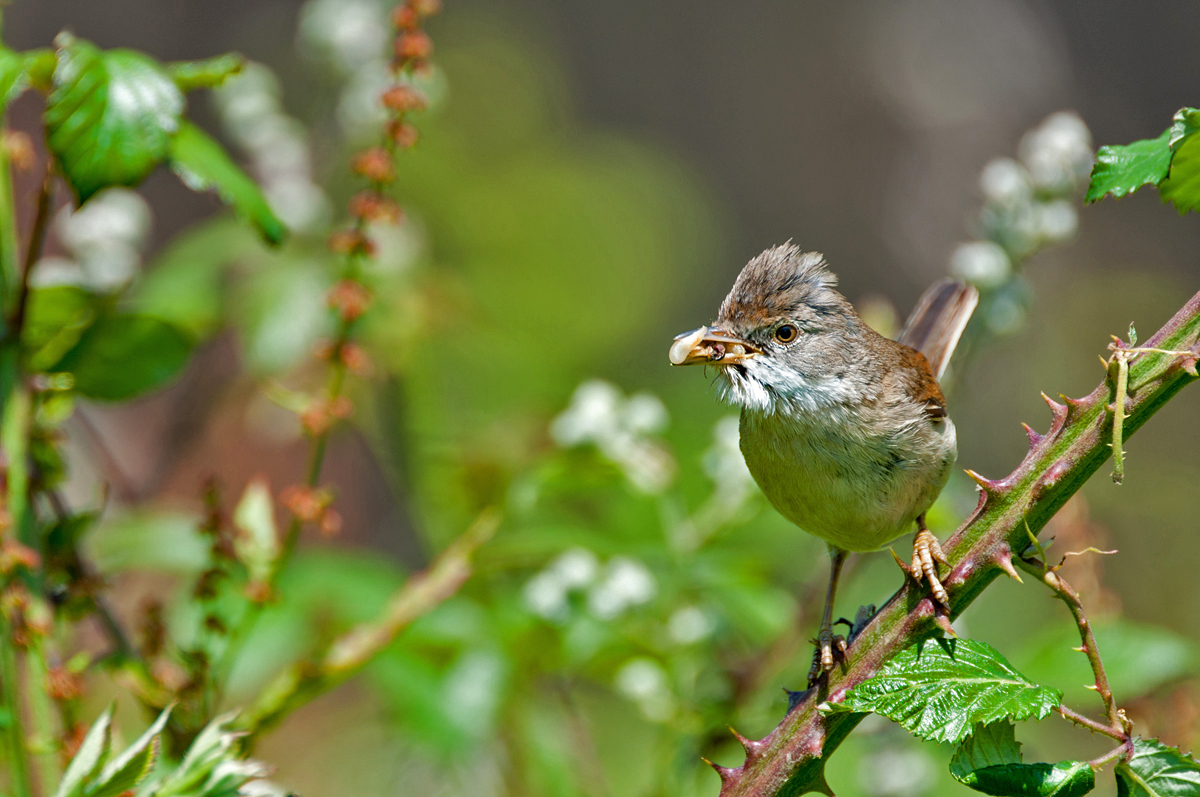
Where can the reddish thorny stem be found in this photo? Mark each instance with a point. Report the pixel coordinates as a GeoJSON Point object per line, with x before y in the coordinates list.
{"type": "Point", "coordinates": [791, 759]}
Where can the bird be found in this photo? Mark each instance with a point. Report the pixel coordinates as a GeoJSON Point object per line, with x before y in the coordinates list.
{"type": "Point", "coordinates": [845, 431]}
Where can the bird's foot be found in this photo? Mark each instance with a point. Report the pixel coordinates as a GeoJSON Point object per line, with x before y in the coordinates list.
{"type": "Point", "coordinates": [830, 647]}
{"type": "Point", "coordinates": [927, 552]}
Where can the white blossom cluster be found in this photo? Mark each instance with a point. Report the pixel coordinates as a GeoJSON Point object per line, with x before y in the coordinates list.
{"type": "Point", "coordinates": [351, 37]}
{"type": "Point", "coordinates": [645, 682]}
{"type": "Point", "coordinates": [1028, 205]}
{"type": "Point", "coordinates": [608, 590]}
{"type": "Point", "coordinates": [104, 238]}
{"type": "Point", "coordinates": [251, 111]}
{"type": "Point", "coordinates": [621, 428]}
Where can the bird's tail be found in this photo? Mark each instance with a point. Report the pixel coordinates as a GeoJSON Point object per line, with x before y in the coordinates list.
{"type": "Point", "coordinates": [938, 321]}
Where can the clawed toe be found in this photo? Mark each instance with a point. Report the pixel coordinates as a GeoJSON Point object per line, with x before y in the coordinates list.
{"type": "Point", "coordinates": [830, 648]}
{"type": "Point", "coordinates": [927, 552]}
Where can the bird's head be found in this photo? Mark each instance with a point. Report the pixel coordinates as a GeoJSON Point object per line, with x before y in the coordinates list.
{"type": "Point", "coordinates": [782, 333]}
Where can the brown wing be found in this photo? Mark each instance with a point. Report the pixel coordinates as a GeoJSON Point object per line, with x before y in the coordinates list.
{"type": "Point", "coordinates": [938, 321]}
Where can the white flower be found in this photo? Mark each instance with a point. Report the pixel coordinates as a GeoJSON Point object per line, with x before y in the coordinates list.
{"type": "Point", "coordinates": [576, 568]}
{"type": "Point", "coordinates": [1005, 182]}
{"type": "Point", "coordinates": [644, 681]}
{"type": "Point", "coordinates": [591, 416]}
{"type": "Point", "coordinates": [690, 624]}
{"type": "Point", "coordinates": [348, 32]}
{"type": "Point", "coordinates": [1058, 152]}
{"type": "Point", "coordinates": [626, 583]}
{"type": "Point", "coordinates": [1058, 220]}
{"type": "Point", "coordinates": [981, 263]}
{"type": "Point", "coordinates": [546, 596]}
{"type": "Point", "coordinates": [645, 414]}
{"type": "Point", "coordinates": [599, 414]}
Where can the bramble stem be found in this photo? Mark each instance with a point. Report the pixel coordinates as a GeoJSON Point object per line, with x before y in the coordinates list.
{"type": "Point", "coordinates": [1089, 723]}
{"type": "Point", "coordinates": [1067, 594]}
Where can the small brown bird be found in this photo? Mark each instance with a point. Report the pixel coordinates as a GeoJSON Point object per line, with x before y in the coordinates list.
{"type": "Point", "coordinates": [845, 431]}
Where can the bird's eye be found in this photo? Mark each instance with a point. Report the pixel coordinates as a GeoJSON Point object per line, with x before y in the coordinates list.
{"type": "Point", "coordinates": [786, 333]}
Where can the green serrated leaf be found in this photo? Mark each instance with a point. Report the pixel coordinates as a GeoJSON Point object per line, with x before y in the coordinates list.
{"type": "Point", "coordinates": [1155, 770]}
{"type": "Point", "coordinates": [90, 757]}
{"type": "Point", "coordinates": [1182, 186]}
{"type": "Point", "coordinates": [1184, 123]}
{"type": "Point", "coordinates": [122, 356]}
{"type": "Point", "coordinates": [127, 770]}
{"type": "Point", "coordinates": [1123, 169]}
{"type": "Point", "coordinates": [939, 689]}
{"type": "Point", "coordinates": [110, 116]}
{"type": "Point", "coordinates": [1065, 779]}
{"type": "Point", "coordinates": [257, 541]}
{"type": "Point", "coordinates": [989, 745]}
{"type": "Point", "coordinates": [55, 319]}
{"type": "Point", "coordinates": [203, 165]}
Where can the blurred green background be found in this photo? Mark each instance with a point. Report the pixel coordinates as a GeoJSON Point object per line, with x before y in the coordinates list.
{"type": "Point", "coordinates": [589, 181]}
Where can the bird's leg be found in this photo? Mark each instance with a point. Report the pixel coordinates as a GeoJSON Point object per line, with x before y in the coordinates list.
{"type": "Point", "coordinates": [826, 641]}
{"type": "Point", "coordinates": [927, 552]}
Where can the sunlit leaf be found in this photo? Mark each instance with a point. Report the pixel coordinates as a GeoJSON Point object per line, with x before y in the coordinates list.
{"type": "Point", "coordinates": [257, 541]}
{"type": "Point", "coordinates": [1155, 770]}
{"type": "Point", "coordinates": [122, 356]}
{"type": "Point", "coordinates": [1123, 169]}
{"type": "Point", "coordinates": [13, 76]}
{"type": "Point", "coordinates": [939, 689]}
{"type": "Point", "coordinates": [203, 165]}
{"type": "Point", "coordinates": [90, 757]}
{"type": "Point", "coordinates": [130, 767]}
{"type": "Point", "coordinates": [110, 116]}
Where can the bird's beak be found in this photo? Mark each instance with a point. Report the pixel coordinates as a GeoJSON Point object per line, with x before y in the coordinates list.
{"type": "Point", "coordinates": [710, 345]}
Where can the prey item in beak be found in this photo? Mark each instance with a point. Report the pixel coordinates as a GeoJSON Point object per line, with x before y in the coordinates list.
{"type": "Point", "coordinates": [710, 345]}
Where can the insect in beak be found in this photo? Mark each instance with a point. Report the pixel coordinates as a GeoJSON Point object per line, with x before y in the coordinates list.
{"type": "Point", "coordinates": [710, 345]}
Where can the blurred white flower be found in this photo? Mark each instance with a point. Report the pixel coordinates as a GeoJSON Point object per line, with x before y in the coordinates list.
{"type": "Point", "coordinates": [626, 583]}
{"type": "Point", "coordinates": [346, 32]}
{"type": "Point", "coordinates": [576, 568]}
{"type": "Point", "coordinates": [1058, 152]}
{"type": "Point", "coordinates": [897, 772]}
{"type": "Point", "coordinates": [546, 596]}
{"type": "Point", "coordinates": [104, 238]}
{"type": "Point", "coordinates": [644, 681]}
{"type": "Point", "coordinates": [1058, 220]}
{"type": "Point", "coordinates": [1005, 182]}
{"type": "Point", "coordinates": [690, 624]}
{"type": "Point", "coordinates": [599, 414]}
{"type": "Point", "coordinates": [252, 113]}
{"type": "Point", "coordinates": [981, 263]}
{"type": "Point", "coordinates": [359, 111]}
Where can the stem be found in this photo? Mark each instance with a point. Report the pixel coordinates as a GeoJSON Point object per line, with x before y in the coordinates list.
{"type": "Point", "coordinates": [18, 764]}
{"type": "Point", "coordinates": [33, 252]}
{"type": "Point", "coordinates": [350, 652]}
{"type": "Point", "coordinates": [1090, 724]}
{"type": "Point", "coordinates": [1067, 594]}
{"type": "Point", "coordinates": [1111, 755]}
{"type": "Point", "coordinates": [791, 758]}
{"type": "Point", "coordinates": [42, 714]}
